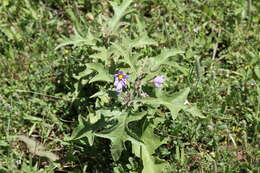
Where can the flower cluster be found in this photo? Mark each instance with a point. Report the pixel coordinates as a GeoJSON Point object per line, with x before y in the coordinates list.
{"type": "Point", "coordinates": [121, 81]}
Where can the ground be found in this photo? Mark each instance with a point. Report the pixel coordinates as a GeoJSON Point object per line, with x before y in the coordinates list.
{"type": "Point", "coordinates": [45, 45]}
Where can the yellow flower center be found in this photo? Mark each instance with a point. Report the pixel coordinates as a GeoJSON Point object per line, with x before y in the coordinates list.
{"type": "Point", "coordinates": [120, 76]}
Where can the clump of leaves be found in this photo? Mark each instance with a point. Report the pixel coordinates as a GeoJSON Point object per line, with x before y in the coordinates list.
{"type": "Point", "coordinates": [137, 99]}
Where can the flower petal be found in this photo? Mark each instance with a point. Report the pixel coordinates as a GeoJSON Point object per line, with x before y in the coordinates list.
{"type": "Point", "coordinates": [119, 87]}
{"type": "Point", "coordinates": [159, 79]}
{"type": "Point", "coordinates": [123, 81]}
{"type": "Point", "coordinates": [116, 82]}
{"type": "Point", "coordinates": [158, 85]}
{"type": "Point", "coordinates": [121, 72]}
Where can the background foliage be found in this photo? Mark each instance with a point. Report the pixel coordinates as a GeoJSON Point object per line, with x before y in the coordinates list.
{"type": "Point", "coordinates": [59, 111]}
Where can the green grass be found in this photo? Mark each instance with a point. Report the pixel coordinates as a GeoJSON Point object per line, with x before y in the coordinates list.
{"type": "Point", "coordinates": [221, 65]}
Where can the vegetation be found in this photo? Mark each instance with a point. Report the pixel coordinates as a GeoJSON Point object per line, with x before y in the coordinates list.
{"type": "Point", "coordinates": [130, 86]}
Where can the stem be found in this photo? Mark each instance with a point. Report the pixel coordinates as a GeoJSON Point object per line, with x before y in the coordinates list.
{"type": "Point", "coordinates": [45, 95]}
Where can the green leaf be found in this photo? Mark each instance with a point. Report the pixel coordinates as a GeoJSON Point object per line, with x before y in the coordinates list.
{"type": "Point", "coordinates": [194, 111]}
{"type": "Point", "coordinates": [140, 25]}
{"type": "Point", "coordinates": [119, 11]}
{"type": "Point", "coordinates": [11, 32]}
{"type": "Point", "coordinates": [82, 74]}
{"type": "Point", "coordinates": [77, 40]}
{"type": "Point", "coordinates": [146, 150]}
{"type": "Point", "coordinates": [257, 71]}
{"type": "Point", "coordinates": [5, 2]}
{"type": "Point", "coordinates": [3, 143]}
{"type": "Point", "coordinates": [176, 66]}
{"type": "Point", "coordinates": [75, 18]}
{"type": "Point", "coordinates": [32, 118]}
{"type": "Point", "coordinates": [121, 133]}
{"type": "Point", "coordinates": [103, 74]}
{"type": "Point", "coordinates": [123, 49]}
{"type": "Point", "coordinates": [174, 103]}
{"type": "Point", "coordinates": [87, 129]}
{"type": "Point", "coordinates": [102, 53]}
{"type": "Point", "coordinates": [198, 68]}
{"type": "Point", "coordinates": [163, 57]}
{"type": "Point", "coordinates": [142, 41]}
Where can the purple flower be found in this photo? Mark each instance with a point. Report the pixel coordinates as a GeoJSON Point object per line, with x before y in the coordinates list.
{"type": "Point", "coordinates": [120, 81]}
{"type": "Point", "coordinates": [158, 81]}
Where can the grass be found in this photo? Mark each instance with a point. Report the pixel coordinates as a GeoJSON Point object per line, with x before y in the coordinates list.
{"type": "Point", "coordinates": [221, 66]}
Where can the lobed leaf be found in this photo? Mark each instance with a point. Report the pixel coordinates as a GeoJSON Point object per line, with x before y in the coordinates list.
{"type": "Point", "coordinates": [146, 150]}
{"type": "Point", "coordinates": [121, 133]}
{"type": "Point", "coordinates": [163, 57]}
{"type": "Point", "coordinates": [103, 74]}
{"type": "Point", "coordinates": [87, 129]}
{"type": "Point", "coordinates": [194, 111]}
{"type": "Point", "coordinates": [77, 40]}
{"type": "Point", "coordinates": [119, 11]}
{"type": "Point", "coordinates": [174, 103]}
